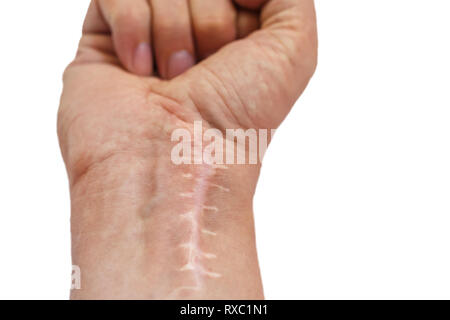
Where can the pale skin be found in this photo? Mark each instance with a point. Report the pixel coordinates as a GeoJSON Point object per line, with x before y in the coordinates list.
{"type": "Point", "coordinates": [143, 227]}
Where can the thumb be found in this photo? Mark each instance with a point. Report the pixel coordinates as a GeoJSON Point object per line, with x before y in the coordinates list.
{"type": "Point", "coordinates": [259, 78]}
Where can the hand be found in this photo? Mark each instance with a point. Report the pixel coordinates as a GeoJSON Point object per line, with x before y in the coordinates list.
{"type": "Point", "coordinates": [115, 124]}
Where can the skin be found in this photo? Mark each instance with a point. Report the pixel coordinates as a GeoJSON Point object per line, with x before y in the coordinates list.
{"type": "Point", "coordinates": [242, 64]}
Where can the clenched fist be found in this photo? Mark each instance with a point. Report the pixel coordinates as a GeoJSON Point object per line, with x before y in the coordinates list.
{"type": "Point", "coordinates": [143, 227]}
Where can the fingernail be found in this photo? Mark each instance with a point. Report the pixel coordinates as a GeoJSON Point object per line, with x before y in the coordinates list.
{"type": "Point", "coordinates": [143, 59]}
{"type": "Point", "coordinates": [179, 62]}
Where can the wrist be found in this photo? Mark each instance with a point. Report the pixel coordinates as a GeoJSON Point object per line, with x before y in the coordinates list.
{"type": "Point", "coordinates": [178, 230]}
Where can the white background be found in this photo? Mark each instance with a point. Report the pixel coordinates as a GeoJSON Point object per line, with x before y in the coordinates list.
{"type": "Point", "coordinates": [354, 198]}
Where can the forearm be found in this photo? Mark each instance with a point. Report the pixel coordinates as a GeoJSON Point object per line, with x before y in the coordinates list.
{"type": "Point", "coordinates": [147, 229]}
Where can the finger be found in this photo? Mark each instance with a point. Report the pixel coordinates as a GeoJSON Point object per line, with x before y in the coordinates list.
{"type": "Point", "coordinates": [94, 22]}
{"type": "Point", "coordinates": [251, 4]}
{"type": "Point", "coordinates": [269, 69]}
{"type": "Point", "coordinates": [96, 48]}
{"type": "Point", "coordinates": [247, 22]}
{"type": "Point", "coordinates": [129, 24]}
{"type": "Point", "coordinates": [172, 37]}
{"type": "Point", "coordinates": [214, 24]}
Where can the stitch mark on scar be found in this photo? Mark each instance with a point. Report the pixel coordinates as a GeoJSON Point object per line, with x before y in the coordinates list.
{"type": "Point", "coordinates": [209, 233]}
{"type": "Point", "coordinates": [219, 166]}
{"type": "Point", "coordinates": [195, 255]}
{"type": "Point", "coordinates": [188, 267]}
{"type": "Point", "coordinates": [213, 275]}
{"type": "Point", "coordinates": [187, 195]}
{"type": "Point", "coordinates": [211, 208]}
{"type": "Point", "coordinates": [187, 215]}
{"type": "Point", "coordinates": [218, 186]}
{"type": "Point", "coordinates": [209, 256]}
{"type": "Point", "coordinates": [178, 290]}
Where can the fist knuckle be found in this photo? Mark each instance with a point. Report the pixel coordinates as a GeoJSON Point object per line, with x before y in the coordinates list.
{"type": "Point", "coordinates": [216, 24]}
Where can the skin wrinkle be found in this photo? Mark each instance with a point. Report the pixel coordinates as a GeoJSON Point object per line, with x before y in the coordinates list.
{"type": "Point", "coordinates": [221, 95]}
{"type": "Point", "coordinates": [99, 42]}
{"type": "Point", "coordinates": [83, 165]}
{"type": "Point", "coordinates": [165, 102]}
{"type": "Point", "coordinates": [213, 114]}
{"type": "Point", "coordinates": [82, 172]}
{"type": "Point", "coordinates": [245, 108]}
